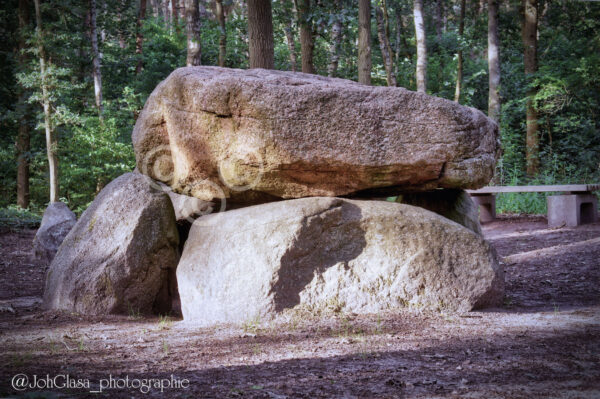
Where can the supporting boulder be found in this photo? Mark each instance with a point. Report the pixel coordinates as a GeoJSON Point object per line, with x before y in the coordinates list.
{"type": "Point", "coordinates": [120, 254]}
{"type": "Point", "coordinates": [331, 253]}
{"type": "Point", "coordinates": [257, 135]}
{"type": "Point", "coordinates": [57, 221]}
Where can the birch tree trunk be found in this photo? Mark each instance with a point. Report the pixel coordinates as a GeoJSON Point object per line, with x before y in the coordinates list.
{"type": "Point", "coordinates": [155, 5]}
{"type": "Point", "coordinates": [336, 38]}
{"type": "Point", "coordinates": [222, 32]}
{"type": "Point", "coordinates": [384, 45]}
{"type": "Point", "coordinates": [51, 140]}
{"type": "Point", "coordinates": [459, 68]}
{"type": "Point", "coordinates": [493, 61]}
{"type": "Point", "coordinates": [291, 43]}
{"type": "Point", "coordinates": [364, 42]}
{"type": "Point", "coordinates": [529, 33]}
{"type": "Point", "coordinates": [96, 71]}
{"type": "Point", "coordinates": [192, 24]}
{"type": "Point", "coordinates": [23, 136]}
{"type": "Point", "coordinates": [260, 34]}
{"type": "Point", "coordinates": [421, 47]}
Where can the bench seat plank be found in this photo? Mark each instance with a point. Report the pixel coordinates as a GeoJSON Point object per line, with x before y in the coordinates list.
{"type": "Point", "coordinates": [573, 188]}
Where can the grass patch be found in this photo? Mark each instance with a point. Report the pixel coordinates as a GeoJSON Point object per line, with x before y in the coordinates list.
{"type": "Point", "coordinates": [15, 218]}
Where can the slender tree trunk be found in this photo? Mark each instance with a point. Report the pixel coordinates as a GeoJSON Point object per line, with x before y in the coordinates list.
{"type": "Point", "coordinates": [439, 19]}
{"type": "Point", "coordinates": [166, 15]}
{"type": "Point", "coordinates": [192, 22]}
{"type": "Point", "coordinates": [306, 36]}
{"type": "Point", "coordinates": [493, 61]}
{"type": "Point", "coordinates": [459, 68]}
{"type": "Point", "coordinates": [171, 8]}
{"type": "Point", "coordinates": [384, 45]}
{"type": "Point", "coordinates": [364, 42]}
{"type": "Point", "coordinates": [291, 43]}
{"type": "Point", "coordinates": [220, 14]}
{"type": "Point", "coordinates": [120, 7]}
{"type": "Point", "coordinates": [336, 39]}
{"type": "Point", "coordinates": [51, 140]}
{"type": "Point", "coordinates": [23, 136]}
{"type": "Point", "coordinates": [421, 47]}
{"type": "Point", "coordinates": [96, 71]}
{"type": "Point", "coordinates": [260, 34]}
{"type": "Point", "coordinates": [244, 33]}
{"type": "Point", "coordinates": [175, 10]}
{"type": "Point", "coordinates": [401, 42]}
{"type": "Point", "coordinates": [529, 32]}
{"type": "Point", "coordinates": [139, 37]}
{"type": "Point", "coordinates": [155, 5]}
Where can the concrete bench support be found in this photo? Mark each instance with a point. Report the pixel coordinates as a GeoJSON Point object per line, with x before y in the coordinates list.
{"type": "Point", "coordinates": [572, 210]}
{"type": "Point", "coordinates": [487, 206]}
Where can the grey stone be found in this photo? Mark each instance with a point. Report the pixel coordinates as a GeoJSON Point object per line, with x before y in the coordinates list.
{"type": "Point", "coordinates": [486, 205]}
{"type": "Point", "coordinates": [186, 208]}
{"type": "Point", "coordinates": [320, 254]}
{"type": "Point", "coordinates": [455, 205]}
{"type": "Point", "coordinates": [572, 210]}
{"type": "Point", "coordinates": [120, 255]}
{"type": "Point", "coordinates": [257, 135]}
{"type": "Point", "coordinates": [57, 221]}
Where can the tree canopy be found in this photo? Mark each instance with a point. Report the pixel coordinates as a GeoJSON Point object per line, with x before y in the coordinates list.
{"type": "Point", "coordinates": [132, 46]}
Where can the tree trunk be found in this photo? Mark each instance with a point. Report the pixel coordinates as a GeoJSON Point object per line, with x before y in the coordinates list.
{"type": "Point", "coordinates": [529, 32]}
{"type": "Point", "coordinates": [23, 136]}
{"type": "Point", "coordinates": [493, 61]}
{"type": "Point", "coordinates": [364, 42]}
{"type": "Point", "coordinates": [386, 49]}
{"type": "Point", "coordinates": [459, 68]}
{"type": "Point", "coordinates": [192, 23]}
{"type": "Point", "coordinates": [155, 5]}
{"type": "Point", "coordinates": [120, 7]}
{"type": "Point", "coordinates": [51, 140]}
{"type": "Point", "coordinates": [166, 15]}
{"type": "Point", "coordinates": [260, 34]}
{"type": "Point", "coordinates": [306, 36]}
{"type": "Point", "coordinates": [291, 43]}
{"type": "Point", "coordinates": [175, 11]}
{"type": "Point", "coordinates": [336, 38]}
{"type": "Point", "coordinates": [421, 47]}
{"type": "Point", "coordinates": [222, 32]}
{"type": "Point", "coordinates": [439, 19]}
{"type": "Point", "coordinates": [139, 37]}
{"type": "Point", "coordinates": [96, 72]}
{"type": "Point", "coordinates": [244, 34]}
{"type": "Point", "coordinates": [400, 37]}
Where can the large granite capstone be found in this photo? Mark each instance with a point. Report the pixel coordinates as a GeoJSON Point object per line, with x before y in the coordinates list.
{"type": "Point", "coordinates": [257, 135]}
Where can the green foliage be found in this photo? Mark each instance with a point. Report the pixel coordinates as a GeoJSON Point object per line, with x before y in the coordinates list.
{"type": "Point", "coordinates": [13, 217]}
{"type": "Point", "coordinates": [91, 152]}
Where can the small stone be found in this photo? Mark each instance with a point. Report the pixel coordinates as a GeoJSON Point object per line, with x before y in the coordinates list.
{"type": "Point", "coordinates": [57, 221]}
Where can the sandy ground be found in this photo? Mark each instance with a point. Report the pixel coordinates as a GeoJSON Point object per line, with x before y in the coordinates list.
{"type": "Point", "coordinates": [544, 341]}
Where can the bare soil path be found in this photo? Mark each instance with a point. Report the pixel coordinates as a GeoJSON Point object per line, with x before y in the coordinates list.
{"type": "Point", "coordinates": [544, 342]}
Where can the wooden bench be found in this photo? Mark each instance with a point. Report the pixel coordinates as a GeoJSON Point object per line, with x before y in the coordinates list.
{"type": "Point", "coordinates": [575, 206]}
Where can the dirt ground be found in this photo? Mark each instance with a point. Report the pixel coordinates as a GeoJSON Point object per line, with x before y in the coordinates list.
{"type": "Point", "coordinates": [544, 341]}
